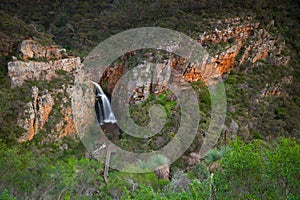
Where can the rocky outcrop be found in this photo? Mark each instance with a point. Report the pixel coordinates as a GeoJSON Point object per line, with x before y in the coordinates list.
{"type": "Point", "coordinates": [45, 107]}
{"type": "Point", "coordinates": [37, 113]}
{"type": "Point", "coordinates": [149, 76]}
{"type": "Point", "coordinates": [233, 41]}
{"type": "Point", "coordinates": [30, 49]}
{"type": "Point", "coordinates": [271, 91]}
{"type": "Point", "coordinates": [262, 46]}
{"type": "Point", "coordinates": [242, 41]}
{"type": "Point", "coordinates": [237, 29]}
{"type": "Point", "coordinates": [66, 126]}
{"type": "Point", "coordinates": [19, 71]}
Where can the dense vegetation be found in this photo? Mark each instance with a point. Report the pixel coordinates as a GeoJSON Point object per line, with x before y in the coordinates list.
{"type": "Point", "coordinates": [250, 171]}
{"type": "Point", "coordinates": [255, 170]}
{"type": "Point", "coordinates": [81, 25]}
{"type": "Point", "coordinates": [263, 163]}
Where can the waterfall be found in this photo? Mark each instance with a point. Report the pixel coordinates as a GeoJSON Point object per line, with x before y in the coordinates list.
{"type": "Point", "coordinates": [103, 109]}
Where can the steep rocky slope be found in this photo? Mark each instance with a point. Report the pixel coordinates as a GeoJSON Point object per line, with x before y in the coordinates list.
{"type": "Point", "coordinates": [241, 41]}
{"type": "Point", "coordinates": [233, 43]}
{"type": "Point", "coordinates": [44, 64]}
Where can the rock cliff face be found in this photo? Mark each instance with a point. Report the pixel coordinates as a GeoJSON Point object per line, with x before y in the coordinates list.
{"type": "Point", "coordinates": [45, 107]}
{"type": "Point", "coordinates": [37, 113]}
{"type": "Point", "coordinates": [234, 41]}
{"type": "Point", "coordinates": [241, 41]}
{"type": "Point", "coordinates": [30, 49]}
{"type": "Point", "coordinates": [149, 77]}
{"type": "Point", "coordinates": [20, 71]}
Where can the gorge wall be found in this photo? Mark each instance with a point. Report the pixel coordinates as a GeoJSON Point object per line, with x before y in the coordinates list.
{"type": "Point", "coordinates": [50, 102]}
{"type": "Point", "coordinates": [233, 42]}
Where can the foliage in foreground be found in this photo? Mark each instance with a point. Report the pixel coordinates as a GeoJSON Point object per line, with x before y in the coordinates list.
{"type": "Point", "coordinates": [249, 171]}
{"type": "Point", "coordinates": [259, 171]}
{"type": "Point", "coordinates": [253, 170]}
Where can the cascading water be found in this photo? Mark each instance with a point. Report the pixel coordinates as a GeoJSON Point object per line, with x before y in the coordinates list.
{"type": "Point", "coordinates": [103, 109]}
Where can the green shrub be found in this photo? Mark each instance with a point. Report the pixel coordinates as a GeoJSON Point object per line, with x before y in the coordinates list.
{"type": "Point", "coordinates": [255, 171]}
{"type": "Point", "coordinates": [34, 176]}
{"type": "Point", "coordinates": [6, 196]}
{"type": "Point", "coordinates": [198, 190]}
{"type": "Point", "coordinates": [200, 171]}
